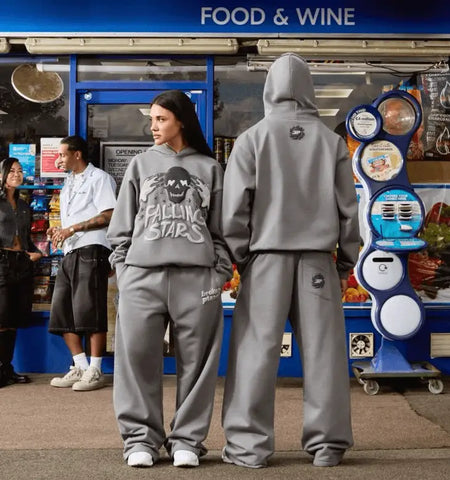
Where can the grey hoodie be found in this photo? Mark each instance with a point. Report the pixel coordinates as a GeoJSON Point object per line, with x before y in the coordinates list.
{"type": "Point", "coordinates": [168, 212]}
{"type": "Point", "coordinates": [288, 184]}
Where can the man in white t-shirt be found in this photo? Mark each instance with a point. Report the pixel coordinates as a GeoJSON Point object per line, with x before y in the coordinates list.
{"type": "Point", "coordinates": [79, 303]}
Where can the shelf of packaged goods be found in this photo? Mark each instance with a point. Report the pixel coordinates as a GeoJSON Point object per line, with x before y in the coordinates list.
{"type": "Point", "coordinates": [40, 187]}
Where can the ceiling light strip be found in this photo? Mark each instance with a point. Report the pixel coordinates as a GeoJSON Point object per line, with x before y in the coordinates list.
{"type": "Point", "coordinates": [5, 47]}
{"type": "Point", "coordinates": [132, 45]}
{"type": "Point", "coordinates": [353, 48]}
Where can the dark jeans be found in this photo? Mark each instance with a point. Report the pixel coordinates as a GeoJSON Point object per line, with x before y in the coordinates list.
{"type": "Point", "coordinates": [16, 289]}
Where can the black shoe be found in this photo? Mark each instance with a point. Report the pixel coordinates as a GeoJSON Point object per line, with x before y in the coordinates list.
{"type": "Point", "coordinates": [18, 378]}
{"type": "Point", "coordinates": [10, 377]}
{"type": "Point", "coordinates": [3, 376]}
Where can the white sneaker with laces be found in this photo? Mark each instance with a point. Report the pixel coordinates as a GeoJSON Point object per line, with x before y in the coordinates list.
{"type": "Point", "coordinates": [70, 378]}
{"type": "Point", "coordinates": [92, 379]}
{"type": "Point", "coordinates": [185, 458]}
{"type": "Point", "coordinates": [140, 459]}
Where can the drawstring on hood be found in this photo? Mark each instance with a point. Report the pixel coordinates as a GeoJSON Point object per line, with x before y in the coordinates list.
{"type": "Point", "coordinates": [289, 87]}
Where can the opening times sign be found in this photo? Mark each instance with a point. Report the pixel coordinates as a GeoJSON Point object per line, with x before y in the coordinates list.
{"type": "Point", "coordinates": [115, 157]}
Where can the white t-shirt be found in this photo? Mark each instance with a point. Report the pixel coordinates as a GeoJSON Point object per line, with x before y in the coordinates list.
{"type": "Point", "coordinates": [83, 196]}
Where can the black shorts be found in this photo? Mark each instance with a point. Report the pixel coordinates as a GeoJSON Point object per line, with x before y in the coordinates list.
{"type": "Point", "coordinates": [79, 302]}
{"type": "Point", "coordinates": [16, 289]}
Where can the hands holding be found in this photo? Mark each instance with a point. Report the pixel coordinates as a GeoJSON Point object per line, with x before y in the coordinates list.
{"type": "Point", "coordinates": [57, 235]}
{"type": "Point", "coordinates": [34, 256]}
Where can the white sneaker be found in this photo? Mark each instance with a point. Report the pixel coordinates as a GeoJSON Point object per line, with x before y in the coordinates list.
{"type": "Point", "coordinates": [70, 378]}
{"type": "Point", "coordinates": [92, 379]}
{"type": "Point", "coordinates": [185, 458]}
{"type": "Point", "coordinates": [140, 459]}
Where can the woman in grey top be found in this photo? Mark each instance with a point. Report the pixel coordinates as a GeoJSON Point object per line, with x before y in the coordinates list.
{"type": "Point", "coordinates": [171, 263]}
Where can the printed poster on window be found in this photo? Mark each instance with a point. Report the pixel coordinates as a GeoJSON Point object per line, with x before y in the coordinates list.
{"type": "Point", "coordinates": [436, 112]}
{"type": "Point", "coordinates": [49, 155]}
{"type": "Point", "coordinates": [26, 154]}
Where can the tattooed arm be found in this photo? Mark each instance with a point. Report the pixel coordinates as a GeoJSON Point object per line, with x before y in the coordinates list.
{"type": "Point", "coordinates": [95, 223]}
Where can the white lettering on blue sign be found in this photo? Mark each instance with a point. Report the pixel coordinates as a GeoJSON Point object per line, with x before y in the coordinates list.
{"type": "Point", "coordinates": [326, 16]}
{"type": "Point", "coordinates": [257, 16]}
{"type": "Point", "coordinates": [237, 16]}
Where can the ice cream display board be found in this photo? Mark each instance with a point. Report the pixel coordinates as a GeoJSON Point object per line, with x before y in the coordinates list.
{"type": "Point", "coordinates": [393, 218]}
{"type": "Point", "coordinates": [394, 213]}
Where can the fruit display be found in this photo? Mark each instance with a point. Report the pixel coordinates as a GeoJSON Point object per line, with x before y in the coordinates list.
{"type": "Point", "coordinates": [232, 285]}
{"type": "Point", "coordinates": [355, 293]}
{"type": "Point", "coordinates": [439, 213]}
{"type": "Point", "coordinates": [429, 270]}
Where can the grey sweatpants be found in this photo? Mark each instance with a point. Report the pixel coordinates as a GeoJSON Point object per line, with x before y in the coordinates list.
{"type": "Point", "coordinates": [147, 297]}
{"type": "Point", "coordinates": [303, 286]}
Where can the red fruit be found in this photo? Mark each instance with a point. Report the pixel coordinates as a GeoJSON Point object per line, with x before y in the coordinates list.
{"type": "Point", "coordinates": [352, 283]}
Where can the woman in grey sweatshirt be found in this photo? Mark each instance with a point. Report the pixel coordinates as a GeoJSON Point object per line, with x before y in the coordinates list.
{"type": "Point", "coordinates": [171, 262]}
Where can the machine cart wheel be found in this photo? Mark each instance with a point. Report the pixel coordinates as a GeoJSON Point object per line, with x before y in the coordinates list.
{"type": "Point", "coordinates": [367, 376]}
{"type": "Point", "coordinates": [435, 386]}
{"type": "Point", "coordinates": [371, 387]}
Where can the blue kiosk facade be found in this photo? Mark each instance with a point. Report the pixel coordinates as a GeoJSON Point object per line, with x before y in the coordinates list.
{"type": "Point", "coordinates": [113, 60]}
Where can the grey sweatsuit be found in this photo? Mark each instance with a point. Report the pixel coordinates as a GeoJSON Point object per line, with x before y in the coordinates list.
{"type": "Point", "coordinates": [289, 202]}
{"type": "Point", "coordinates": [171, 263]}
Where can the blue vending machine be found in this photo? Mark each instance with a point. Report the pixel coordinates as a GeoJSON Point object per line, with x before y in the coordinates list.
{"type": "Point", "coordinates": [393, 217]}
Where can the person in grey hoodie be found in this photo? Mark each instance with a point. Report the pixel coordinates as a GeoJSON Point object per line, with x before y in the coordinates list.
{"type": "Point", "coordinates": [289, 200]}
{"type": "Point", "coordinates": [171, 262]}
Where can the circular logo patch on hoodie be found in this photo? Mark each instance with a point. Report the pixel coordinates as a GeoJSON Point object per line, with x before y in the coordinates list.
{"type": "Point", "coordinates": [318, 281]}
{"type": "Point", "coordinates": [297, 132]}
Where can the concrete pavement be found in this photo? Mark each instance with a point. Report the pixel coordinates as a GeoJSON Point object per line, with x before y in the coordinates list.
{"type": "Point", "coordinates": [47, 433]}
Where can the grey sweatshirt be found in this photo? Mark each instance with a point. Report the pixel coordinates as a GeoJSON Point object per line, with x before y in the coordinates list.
{"type": "Point", "coordinates": [288, 184]}
{"type": "Point", "coordinates": [168, 212]}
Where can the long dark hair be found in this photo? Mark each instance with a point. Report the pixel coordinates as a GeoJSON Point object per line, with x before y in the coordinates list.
{"type": "Point", "coordinates": [181, 106]}
{"type": "Point", "coordinates": [5, 168]}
